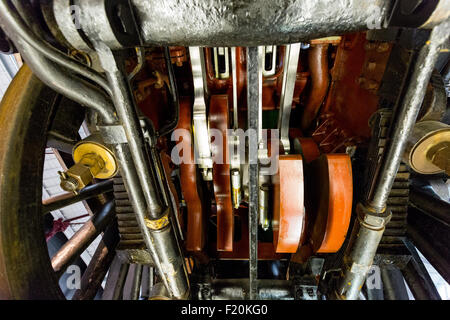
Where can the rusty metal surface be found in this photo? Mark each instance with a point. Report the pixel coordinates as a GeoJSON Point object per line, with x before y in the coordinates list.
{"type": "Point", "coordinates": [244, 23]}
{"type": "Point", "coordinates": [218, 119]}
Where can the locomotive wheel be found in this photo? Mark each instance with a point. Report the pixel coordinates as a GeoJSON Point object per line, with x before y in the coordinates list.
{"type": "Point", "coordinates": [26, 111]}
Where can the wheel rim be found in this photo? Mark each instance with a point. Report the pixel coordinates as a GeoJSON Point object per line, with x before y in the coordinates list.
{"type": "Point", "coordinates": [25, 112]}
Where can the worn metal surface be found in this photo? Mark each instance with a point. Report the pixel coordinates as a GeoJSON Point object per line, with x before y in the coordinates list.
{"type": "Point", "coordinates": [254, 88]}
{"type": "Point", "coordinates": [254, 22]}
{"type": "Point", "coordinates": [127, 113]}
{"type": "Point", "coordinates": [172, 261]}
{"type": "Point", "coordinates": [238, 289]}
{"type": "Point", "coordinates": [367, 233]}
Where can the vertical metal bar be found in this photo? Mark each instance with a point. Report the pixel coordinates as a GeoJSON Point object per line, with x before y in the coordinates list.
{"type": "Point", "coordinates": [136, 287]}
{"type": "Point", "coordinates": [254, 105]}
{"type": "Point", "coordinates": [287, 92]}
{"type": "Point", "coordinates": [128, 116]}
{"type": "Point", "coordinates": [234, 80]}
{"type": "Point", "coordinates": [201, 132]}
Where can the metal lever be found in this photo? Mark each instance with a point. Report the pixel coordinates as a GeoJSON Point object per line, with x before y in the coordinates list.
{"type": "Point", "coordinates": [287, 92]}
{"type": "Point", "coordinates": [201, 131]}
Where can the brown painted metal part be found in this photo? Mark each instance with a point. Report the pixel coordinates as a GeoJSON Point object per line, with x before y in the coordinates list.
{"type": "Point", "coordinates": [306, 147]}
{"type": "Point", "coordinates": [329, 205]}
{"type": "Point", "coordinates": [355, 78]}
{"type": "Point", "coordinates": [195, 236]}
{"type": "Point", "coordinates": [218, 119]}
{"type": "Point", "coordinates": [320, 78]}
{"type": "Point", "coordinates": [288, 208]}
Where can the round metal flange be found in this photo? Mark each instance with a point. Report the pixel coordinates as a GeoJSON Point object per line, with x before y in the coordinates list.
{"type": "Point", "coordinates": [288, 208]}
{"type": "Point", "coordinates": [429, 140]}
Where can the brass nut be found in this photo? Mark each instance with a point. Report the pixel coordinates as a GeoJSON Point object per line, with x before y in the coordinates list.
{"type": "Point", "coordinates": [79, 173]}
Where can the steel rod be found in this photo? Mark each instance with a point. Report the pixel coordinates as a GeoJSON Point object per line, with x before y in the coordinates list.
{"type": "Point", "coordinates": [128, 116]}
{"type": "Point", "coordinates": [253, 96]}
{"type": "Point", "coordinates": [407, 115]}
{"type": "Point", "coordinates": [66, 199]}
{"type": "Point", "coordinates": [373, 216]}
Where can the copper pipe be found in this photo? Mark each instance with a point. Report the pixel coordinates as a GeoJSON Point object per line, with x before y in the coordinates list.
{"type": "Point", "coordinates": [82, 238]}
{"type": "Point", "coordinates": [320, 77]}
{"type": "Point", "coordinates": [99, 265]}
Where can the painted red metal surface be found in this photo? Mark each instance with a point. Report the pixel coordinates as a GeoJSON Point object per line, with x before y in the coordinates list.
{"type": "Point", "coordinates": [195, 234]}
{"type": "Point", "coordinates": [288, 207]}
{"type": "Point", "coordinates": [218, 119]}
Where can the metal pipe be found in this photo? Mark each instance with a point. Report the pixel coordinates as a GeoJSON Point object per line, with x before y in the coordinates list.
{"type": "Point", "coordinates": [66, 199]}
{"type": "Point", "coordinates": [66, 83]}
{"type": "Point", "coordinates": [158, 248]}
{"type": "Point", "coordinates": [320, 78]}
{"type": "Point", "coordinates": [136, 285]}
{"type": "Point", "coordinates": [373, 216]}
{"type": "Point", "coordinates": [169, 253]}
{"type": "Point", "coordinates": [13, 24]}
{"type": "Point", "coordinates": [128, 116]}
{"type": "Point", "coordinates": [226, 23]}
{"type": "Point", "coordinates": [82, 238]}
{"type": "Point", "coordinates": [407, 115]}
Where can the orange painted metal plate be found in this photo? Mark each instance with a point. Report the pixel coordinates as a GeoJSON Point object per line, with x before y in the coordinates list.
{"type": "Point", "coordinates": [329, 188]}
{"type": "Point", "coordinates": [288, 207]}
{"type": "Point", "coordinates": [195, 237]}
{"type": "Point", "coordinates": [218, 119]}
